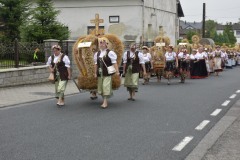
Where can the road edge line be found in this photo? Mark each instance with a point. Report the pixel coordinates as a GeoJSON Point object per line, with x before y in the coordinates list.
{"type": "Point", "coordinates": [214, 134]}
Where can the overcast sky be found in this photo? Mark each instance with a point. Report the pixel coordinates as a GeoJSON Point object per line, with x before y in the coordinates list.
{"type": "Point", "coordinates": [221, 11]}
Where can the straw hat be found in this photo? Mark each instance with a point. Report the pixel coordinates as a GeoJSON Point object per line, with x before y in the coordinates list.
{"type": "Point", "coordinates": [145, 47]}
{"type": "Point", "coordinates": [56, 47]}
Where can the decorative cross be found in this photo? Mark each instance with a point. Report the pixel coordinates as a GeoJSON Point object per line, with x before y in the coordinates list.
{"type": "Point", "coordinates": [161, 32]}
{"type": "Point", "coordinates": [97, 21]}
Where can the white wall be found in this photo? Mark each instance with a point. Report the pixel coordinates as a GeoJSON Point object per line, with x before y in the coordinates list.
{"type": "Point", "coordinates": [78, 13]}
{"type": "Point", "coordinates": [161, 13]}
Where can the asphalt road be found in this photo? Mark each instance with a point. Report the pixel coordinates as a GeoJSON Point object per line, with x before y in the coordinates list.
{"type": "Point", "coordinates": [147, 129]}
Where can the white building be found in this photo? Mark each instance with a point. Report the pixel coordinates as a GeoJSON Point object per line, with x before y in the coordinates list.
{"type": "Point", "coordinates": [131, 20]}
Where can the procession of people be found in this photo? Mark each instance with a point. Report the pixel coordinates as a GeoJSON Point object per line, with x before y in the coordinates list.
{"type": "Point", "coordinates": [162, 61]}
{"type": "Point", "coordinates": [100, 56]}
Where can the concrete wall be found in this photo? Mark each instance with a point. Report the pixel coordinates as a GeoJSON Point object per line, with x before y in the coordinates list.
{"type": "Point", "coordinates": [35, 74]}
{"type": "Point", "coordinates": [22, 76]}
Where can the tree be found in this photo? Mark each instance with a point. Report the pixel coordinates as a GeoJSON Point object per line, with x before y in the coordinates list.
{"type": "Point", "coordinates": [190, 34]}
{"type": "Point", "coordinates": [12, 14]}
{"type": "Point", "coordinates": [226, 39]}
{"type": "Point", "coordinates": [216, 37]}
{"type": "Point", "coordinates": [229, 31]}
{"type": "Point", "coordinates": [210, 28]}
{"type": "Point", "coordinates": [43, 25]}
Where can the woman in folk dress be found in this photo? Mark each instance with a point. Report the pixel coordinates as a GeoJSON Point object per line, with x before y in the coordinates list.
{"type": "Point", "coordinates": [217, 59]}
{"type": "Point", "coordinates": [148, 63]}
{"type": "Point", "coordinates": [183, 62]}
{"type": "Point", "coordinates": [171, 62]}
{"type": "Point", "coordinates": [103, 59]}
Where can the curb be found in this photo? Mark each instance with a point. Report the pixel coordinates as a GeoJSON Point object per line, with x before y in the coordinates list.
{"type": "Point", "coordinates": [214, 134]}
{"type": "Point", "coordinates": [12, 105]}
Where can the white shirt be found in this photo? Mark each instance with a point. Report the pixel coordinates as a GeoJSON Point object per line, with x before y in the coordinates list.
{"type": "Point", "coordinates": [222, 55]}
{"type": "Point", "coordinates": [182, 55]}
{"type": "Point", "coordinates": [56, 58]}
{"type": "Point", "coordinates": [140, 56]}
{"type": "Point", "coordinates": [170, 56]}
{"type": "Point", "coordinates": [147, 57]}
{"type": "Point", "coordinates": [205, 54]}
{"type": "Point", "coordinates": [112, 55]}
{"type": "Point", "coordinates": [200, 55]}
{"type": "Point", "coordinates": [192, 56]}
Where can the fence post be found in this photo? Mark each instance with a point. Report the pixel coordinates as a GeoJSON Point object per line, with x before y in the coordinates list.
{"type": "Point", "coordinates": [16, 53]}
{"type": "Point", "coordinates": [48, 47]}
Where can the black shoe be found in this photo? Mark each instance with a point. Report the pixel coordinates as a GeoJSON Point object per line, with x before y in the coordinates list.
{"type": "Point", "coordinates": [93, 98]}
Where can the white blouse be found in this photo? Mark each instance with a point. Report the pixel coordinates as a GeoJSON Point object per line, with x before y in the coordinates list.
{"type": "Point", "coordinates": [140, 56]}
{"type": "Point", "coordinates": [182, 55]}
{"type": "Point", "coordinates": [65, 60]}
{"type": "Point", "coordinates": [112, 55]}
{"type": "Point", "coordinates": [200, 55]}
{"type": "Point", "coordinates": [147, 57]}
{"type": "Point", "coordinates": [220, 52]}
{"type": "Point", "coordinates": [170, 56]}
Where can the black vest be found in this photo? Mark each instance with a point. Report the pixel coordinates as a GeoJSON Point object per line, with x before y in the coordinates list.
{"type": "Point", "coordinates": [101, 65]}
{"type": "Point", "coordinates": [62, 69]}
{"type": "Point", "coordinates": [134, 62]}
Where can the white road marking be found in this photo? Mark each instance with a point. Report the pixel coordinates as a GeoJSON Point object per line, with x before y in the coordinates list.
{"type": "Point", "coordinates": [183, 143]}
{"type": "Point", "coordinates": [226, 103]}
{"type": "Point", "coordinates": [238, 91]}
{"type": "Point", "coordinates": [233, 96]}
{"type": "Point", "coordinates": [216, 112]}
{"type": "Point", "coordinates": [202, 125]}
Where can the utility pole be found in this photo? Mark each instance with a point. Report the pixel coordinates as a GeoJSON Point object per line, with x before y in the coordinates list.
{"type": "Point", "coordinates": [203, 22]}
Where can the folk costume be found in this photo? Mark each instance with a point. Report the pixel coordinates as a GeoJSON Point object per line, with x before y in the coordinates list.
{"type": "Point", "coordinates": [86, 58]}
{"type": "Point", "coordinates": [210, 62]}
{"type": "Point", "coordinates": [60, 66]}
{"type": "Point", "coordinates": [198, 66]}
{"type": "Point", "coordinates": [207, 60]}
{"type": "Point", "coordinates": [171, 63]}
{"type": "Point", "coordinates": [183, 64]}
{"type": "Point", "coordinates": [103, 59]}
{"type": "Point", "coordinates": [234, 61]}
{"type": "Point", "coordinates": [238, 58]}
{"type": "Point", "coordinates": [132, 65]}
{"type": "Point", "coordinates": [229, 60]}
{"type": "Point", "coordinates": [217, 59]}
{"type": "Point", "coordinates": [148, 63]}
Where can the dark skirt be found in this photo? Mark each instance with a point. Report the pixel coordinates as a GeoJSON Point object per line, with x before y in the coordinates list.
{"type": "Point", "coordinates": [184, 65]}
{"type": "Point", "coordinates": [170, 66]}
{"type": "Point", "coordinates": [198, 69]}
{"type": "Point", "coordinates": [148, 66]}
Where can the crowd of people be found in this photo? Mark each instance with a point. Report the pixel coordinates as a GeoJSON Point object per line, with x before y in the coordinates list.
{"type": "Point", "coordinates": [182, 63]}
{"type": "Point", "coordinates": [196, 64]}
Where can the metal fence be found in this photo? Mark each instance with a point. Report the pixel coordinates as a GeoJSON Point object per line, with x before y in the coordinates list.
{"type": "Point", "coordinates": [21, 54]}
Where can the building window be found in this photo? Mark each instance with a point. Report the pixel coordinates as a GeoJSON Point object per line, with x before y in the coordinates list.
{"type": "Point", "coordinates": [150, 32]}
{"type": "Point", "coordinates": [238, 32]}
{"type": "Point", "coordinates": [114, 19]}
